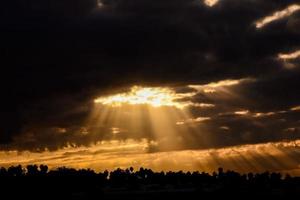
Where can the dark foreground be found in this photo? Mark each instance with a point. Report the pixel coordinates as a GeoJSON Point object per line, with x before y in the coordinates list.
{"type": "Point", "coordinates": [36, 182]}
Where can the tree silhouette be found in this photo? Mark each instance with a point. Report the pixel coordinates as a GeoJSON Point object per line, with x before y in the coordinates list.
{"type": "Point", "coordinates": [43, 169]}
{"type": "Point", "coordinates": [15, 171]}
{"type": "Point", "coordinates": [32, 170]}
{"type": "Point", "coordinates": [38, 180]}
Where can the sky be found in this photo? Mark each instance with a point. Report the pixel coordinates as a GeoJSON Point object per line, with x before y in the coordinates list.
{"type": "Point", "coordinates": [165, 84]}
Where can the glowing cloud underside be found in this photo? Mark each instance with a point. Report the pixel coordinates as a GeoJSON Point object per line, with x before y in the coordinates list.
{"type": "Point", "coordinates": [211, 3]}
{"type": "Point", "coordinates": [296, 108]}
{"type": "Point", "coordinates": [241, 112]}
{"type": "Point", "coordinates": [277, 15]}
{"type": "Point", "coordinates": [220, 85]}
{"type": "Point", "coordinates": [153, 96]}
{"type": "Point", "coordinates": [289, 56]}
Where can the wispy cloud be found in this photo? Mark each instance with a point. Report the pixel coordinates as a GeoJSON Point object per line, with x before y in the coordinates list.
{"type": "Point", "coordinates": [277, 15]}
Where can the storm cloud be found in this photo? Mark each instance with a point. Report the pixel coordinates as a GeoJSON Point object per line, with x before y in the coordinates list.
{"type": "Point", "coordinates": [58, 56]}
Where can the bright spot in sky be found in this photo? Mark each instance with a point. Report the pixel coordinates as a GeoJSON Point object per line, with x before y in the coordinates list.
{"type": "Point", "coordinates": [99, 3]}
{"type": "Point", "coordinates": [150, 110]}
{"type": "Point", "coordinates": [277, 15]}
{"type": "Point", "coordinates": [296, 108]}
{"type": "Point", "coordinates": [154, 96]}
{"type": "Point", "coordinates": [241, 112]}
{"type": "Point", "coordinates": [211, 3]}
{"type": "Point", "coordinates": [289, 56]}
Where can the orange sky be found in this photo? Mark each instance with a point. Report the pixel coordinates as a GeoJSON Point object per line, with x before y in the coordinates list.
{"type": "Point", "coordinates": [282, 156]}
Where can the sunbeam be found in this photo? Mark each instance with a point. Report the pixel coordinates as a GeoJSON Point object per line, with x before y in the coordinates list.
{"type": "Point", "coordinates": [150, 112]}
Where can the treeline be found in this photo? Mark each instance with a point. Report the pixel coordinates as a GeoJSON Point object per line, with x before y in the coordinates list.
{"type": "Point", "coordinates": [80, 183]}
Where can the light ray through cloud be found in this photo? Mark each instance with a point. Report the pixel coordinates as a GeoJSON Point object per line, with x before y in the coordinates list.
{"type": "Point", "coordinates": [145, 110]}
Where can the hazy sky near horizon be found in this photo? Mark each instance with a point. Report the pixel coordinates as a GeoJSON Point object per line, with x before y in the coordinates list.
{"type": "Point", "coordinates": [194, 84]}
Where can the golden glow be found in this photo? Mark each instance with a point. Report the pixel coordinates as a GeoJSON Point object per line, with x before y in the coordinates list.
{"type": "Point", "coordinates": [209, 90]}
{"type": "Point", "coordinates": [164, 113]}
{"type": "Point", "coordinates": [220, 85]}
{"type": "Point", "coordinates": [154, 96]}
{"type": "Point", "coordinates": [260, 114]}
{"type": "Point", "coordinates": [289, 56]}
{"type": "Point", "coordinates": [281, 156]}
{"type": "Point", "coordinates": [211, 87]}
{"type": "Point", "coordinates": [60, 130]}
{"type": "Point", "coordinates": [191, 120]}
{"type": "Point", "coordinates": [253, 114]}
{"type": "Point", "coordinates": [296, 108]}
{"type": "Point", "coordinates": [223, 83]}
{"type": "Point", "coordinates": [151, 110]}
{"type": "Point", "coordinates": [165, 96]}
{"type": "Point", "coordinates": [115, 130]}
{"type": "Point", "coordinates": [211, 3]}
{"type": "Point", "coordinates": [242, 112]}
{"type": "Point", "coordinates": [203, 105]}
{"type": "Point", "coordinates": [277, 15]}
{"type": "Point", "coordinates": [158, 112]}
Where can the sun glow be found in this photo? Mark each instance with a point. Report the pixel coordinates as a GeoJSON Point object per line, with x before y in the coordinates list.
{"type": "Point", "coordinates": [211, 3]}
{"type": "Point", "coordinates": [147, 127]}
{"type": "Point", "coordinates": [154, 96]}
{"type": "Point", "coordinates": [150, 111]}
{"type": "Point", "coordinates": [174, 117]}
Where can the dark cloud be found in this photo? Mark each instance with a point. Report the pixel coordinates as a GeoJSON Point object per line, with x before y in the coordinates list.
{"type": "Point", "coordinates": [59, 55]}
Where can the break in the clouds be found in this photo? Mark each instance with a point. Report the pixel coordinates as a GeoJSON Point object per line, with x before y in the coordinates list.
{"type": "Point", "coordinates": [180, 74]}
